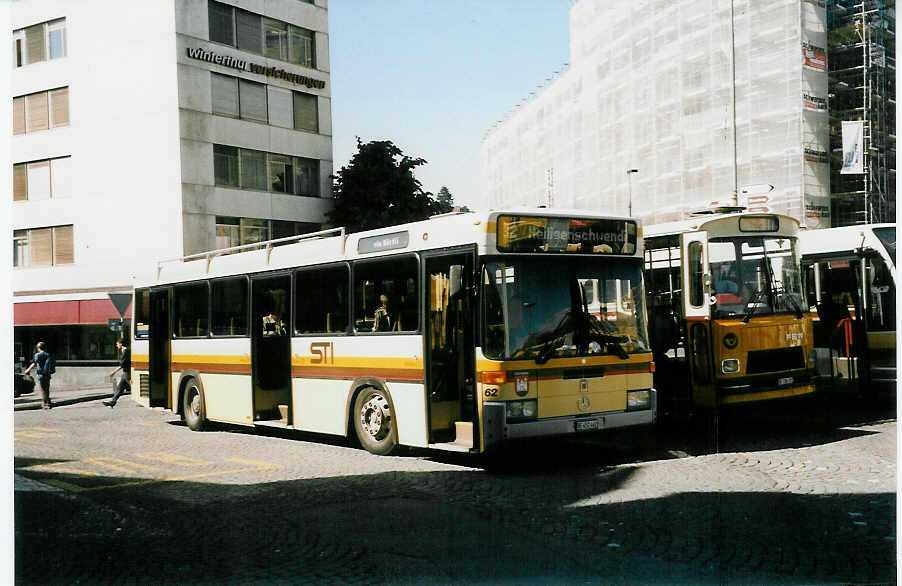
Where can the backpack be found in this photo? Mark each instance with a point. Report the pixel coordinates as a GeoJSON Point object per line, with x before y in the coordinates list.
{"type": "Point", "coordinates": [49, 366]}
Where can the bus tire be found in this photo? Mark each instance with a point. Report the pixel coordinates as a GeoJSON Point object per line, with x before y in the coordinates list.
{"type": "Point", "coordinates": [374, 421]}
{"type": "Point", "coordinates": [193, 406]}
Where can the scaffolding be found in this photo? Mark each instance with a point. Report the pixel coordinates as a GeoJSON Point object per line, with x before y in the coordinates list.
{"type": "Point", "coordinates": [862, 69]}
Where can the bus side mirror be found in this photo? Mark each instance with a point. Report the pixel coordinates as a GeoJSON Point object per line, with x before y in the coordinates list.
{"type": "Point", "coordinates": [456, 278]}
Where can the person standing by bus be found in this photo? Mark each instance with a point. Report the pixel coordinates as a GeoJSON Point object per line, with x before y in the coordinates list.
{"type": "Point", "coordinates": [125, 365]}
{"type": "Point", "coordinates": [44, 364]}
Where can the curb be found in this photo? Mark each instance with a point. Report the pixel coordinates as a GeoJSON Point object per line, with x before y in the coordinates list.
{"type": "Point", "coordinates": [32, 405]}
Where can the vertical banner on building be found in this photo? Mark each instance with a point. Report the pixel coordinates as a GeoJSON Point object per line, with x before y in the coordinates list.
{"type": "Point", "coordinates": [852, 147]}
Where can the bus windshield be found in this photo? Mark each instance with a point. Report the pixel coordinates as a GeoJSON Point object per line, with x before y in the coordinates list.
{"type": "Point", "coordinates": [754, 276]}
{"type": "Point", "coordinates": [887, 237]}
{"type": "Point", "coordinates": [543, 308]}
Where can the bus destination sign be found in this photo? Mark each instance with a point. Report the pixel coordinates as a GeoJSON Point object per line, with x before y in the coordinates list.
{"type": "Point", "coordinates": [383, 242]}
{"type": "Point", "coordinates": [566, 235]}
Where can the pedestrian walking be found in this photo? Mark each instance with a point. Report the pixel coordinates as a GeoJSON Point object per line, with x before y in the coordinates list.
{"type": "Point", "coordinates": [125, 365]}
{"type": "Point", "coordinates": [44, 366]}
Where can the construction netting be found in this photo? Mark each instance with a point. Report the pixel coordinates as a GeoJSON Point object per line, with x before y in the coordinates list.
{"type": "Point", "coordinates": [642, 119]}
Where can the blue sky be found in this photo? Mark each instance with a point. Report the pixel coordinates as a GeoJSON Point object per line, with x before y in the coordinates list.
{"type": "Point", "coordinates": [433, 75]}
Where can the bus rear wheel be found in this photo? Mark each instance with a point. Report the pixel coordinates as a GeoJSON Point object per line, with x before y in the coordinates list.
{"type": "Point", "coordinates": [193, 406]}
{"type": "Point", "coordinates": [374, 422]}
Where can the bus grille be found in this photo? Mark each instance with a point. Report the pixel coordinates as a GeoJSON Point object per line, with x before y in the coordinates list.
{"type": "Point", "coordinates": [776, 360]}
{"type": "Point", "coordinates": [144, 385]}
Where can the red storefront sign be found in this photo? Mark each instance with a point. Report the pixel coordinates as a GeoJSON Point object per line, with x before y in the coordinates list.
{"type": "Point", "coordinates": [56, 313]}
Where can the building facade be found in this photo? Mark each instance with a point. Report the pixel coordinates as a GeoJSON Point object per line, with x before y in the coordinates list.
{"type": "Point", "coordinates": [667, 108]}
{"type": "Point", "coordinates": [207, 126]}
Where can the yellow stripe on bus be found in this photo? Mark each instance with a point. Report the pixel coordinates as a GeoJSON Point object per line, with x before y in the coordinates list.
{"type": "Point", "coordinates": [775, 394]}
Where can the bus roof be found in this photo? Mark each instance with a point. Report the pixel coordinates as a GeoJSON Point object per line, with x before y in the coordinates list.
{"type": "Point", "coordinates": [710, 223]}
{"type": "Point", "coordinates": [444, 230]}
{"type": "Point", "coordinates": [840, 239]}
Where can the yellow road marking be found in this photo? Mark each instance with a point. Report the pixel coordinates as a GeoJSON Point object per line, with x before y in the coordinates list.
{"type": "Point", "coordinates": [177, 459]}
{"type": "Point", "coordinates": [118, 465]}
{"type": "Point", "coordinates": [121, 465]}
{"type": "Point", "coordinates": [36, 433]}
{"type": "Point", "coordinates": [256, 463]}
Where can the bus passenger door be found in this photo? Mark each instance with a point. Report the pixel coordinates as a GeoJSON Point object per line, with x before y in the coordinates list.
{"type": "Point", "coordinates": [697, 313]}
{"type": "Point", "coordinates": [158, 341]}
{"type": "Point", "coordinates": [271, 346]}
{"type": "Point", "coordinates": [449, 346]}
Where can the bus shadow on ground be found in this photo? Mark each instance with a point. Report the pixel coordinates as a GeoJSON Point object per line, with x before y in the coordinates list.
{"type": "Point", "coordinates": [446, 527]}
{"type": "Point", "coordinates": [796, 423]}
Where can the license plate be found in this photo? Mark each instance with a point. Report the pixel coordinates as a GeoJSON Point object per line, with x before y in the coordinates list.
{"type": "Point", "coordinates": [588, 425]}
{"type": "Point", "coordinates": [784, 381]}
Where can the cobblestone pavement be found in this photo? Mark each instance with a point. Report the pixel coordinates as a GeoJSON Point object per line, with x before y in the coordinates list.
{"type": "Point", "coordinates": [803, 495]}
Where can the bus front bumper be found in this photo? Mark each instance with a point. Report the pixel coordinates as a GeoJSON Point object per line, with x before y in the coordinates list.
{"type": "Point", "coordinates": [497, 429]}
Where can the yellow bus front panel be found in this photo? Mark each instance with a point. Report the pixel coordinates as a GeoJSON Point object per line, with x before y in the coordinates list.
{"type": "Point", "coordinates": [767, 357]}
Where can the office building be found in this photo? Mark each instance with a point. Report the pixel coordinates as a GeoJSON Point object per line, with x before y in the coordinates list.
{"type": "Point", "coordinates": [150, 131]}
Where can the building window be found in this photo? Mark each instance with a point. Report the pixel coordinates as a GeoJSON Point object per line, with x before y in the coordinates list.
{"type": "Point", "coordinates": [231, 232]}
{"type": "Point", "coordinates": [225, 165]}
{"type": "Point", "coordinates": [281, 173]}
{"type": "Point", "coordinates": [258, 170]}
{"type": "Point", "coordinates": [225, 95]}
{"type": "Point", "coordinates": [43, 247]}
{"type": "Point", "coordinates": [40, 42]}
{"type": "Point", "coordinates": [306, 177]}
{"type": "Point", "coordinates": [252, 100]}
{"type": "Point", "coordinates": [41, 111]}
{"type": "Point", "coordinates": [264, 36]}
{"type": "Point", "coordinates": [301, 50]}
{"type": "Point", "coordinates": [275, 35]}
{"type": "Point", "coordinates": [252, 166]}
{"type": "Point", "coordinates": [41, 179]}
{"type": "Point", "coordinates": [280, 107]}
{"type": "Point", "coordinates": [222, 23]}
{"type": "Point", "coordinates": [249, 35]}
{"type": "Point", "coordinates": [248, 100]}
{"type": "Point", "coordinates": [306, 115]}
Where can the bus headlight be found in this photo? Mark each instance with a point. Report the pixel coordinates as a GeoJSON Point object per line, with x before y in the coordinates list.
{"type": "Point", "coordinates": [522, 409]}
{"type": "Point", "coordinates": [729, 366]}
{"type": "Point", "coordinates": [638, 400]}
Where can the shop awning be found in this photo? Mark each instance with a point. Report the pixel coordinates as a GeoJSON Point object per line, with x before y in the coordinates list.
{"type": "Point", "coordinates": [55, 313]}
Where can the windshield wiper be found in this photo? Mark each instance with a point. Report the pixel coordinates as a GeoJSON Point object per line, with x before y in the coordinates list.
{"type": "Point", "coordinates": [793, 302]}
{"type": "Point", "coordinates": [751, 306]}
{"type": "Point", "coordinates": [571, 322]}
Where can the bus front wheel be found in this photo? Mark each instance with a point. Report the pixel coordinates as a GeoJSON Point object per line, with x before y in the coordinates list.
{"type": "Point", "coordinates": [374, 422]}
{"type": "Point", "coordinates": [193, 406]}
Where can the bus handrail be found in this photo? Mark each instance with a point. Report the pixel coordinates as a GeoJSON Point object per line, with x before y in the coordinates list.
{"type": "Point", "coordinates": [265, 244]}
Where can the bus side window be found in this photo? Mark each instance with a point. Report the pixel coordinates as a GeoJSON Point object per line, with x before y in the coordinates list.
{"type": "Point", "coordinates": [386, 297]}
{"type": "Point", "coordinates": [321, 300]}
{"type": "Point", "coordinates": [190, 303]}
{"type": "Point", "coordinates": [229, 299]}
{"type": "Point", "coordinates": [696, 290]}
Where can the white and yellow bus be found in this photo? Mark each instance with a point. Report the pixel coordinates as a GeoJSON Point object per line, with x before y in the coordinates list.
{"type": "Point", "coordinates": [850, 272]}
{"type": "Point", "coordinates": [727, 315]}
{"type": "Point", "coordinates": [455, 333]}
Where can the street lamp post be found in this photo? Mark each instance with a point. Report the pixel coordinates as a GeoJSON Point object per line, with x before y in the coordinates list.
{"type": "Point", "coordinates": [629, 181]}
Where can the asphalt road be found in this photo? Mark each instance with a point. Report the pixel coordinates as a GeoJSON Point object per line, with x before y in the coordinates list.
{"type": "Point", "coordinates": [804, 493]}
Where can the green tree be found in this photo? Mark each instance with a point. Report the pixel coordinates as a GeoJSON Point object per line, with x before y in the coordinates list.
{"type": "Point", "coordinates": [445, 200]}
{"type": "Point", "coordinates": [377, 188]}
